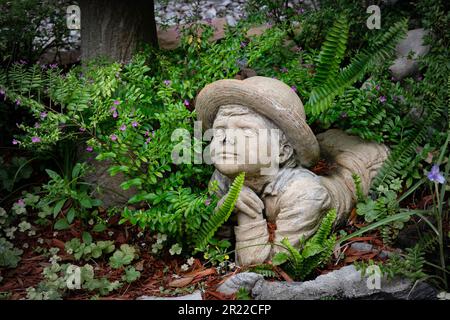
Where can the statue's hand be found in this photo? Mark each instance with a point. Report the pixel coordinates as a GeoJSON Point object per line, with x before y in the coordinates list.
{"type": "Point", "coordinates": [249, 203]}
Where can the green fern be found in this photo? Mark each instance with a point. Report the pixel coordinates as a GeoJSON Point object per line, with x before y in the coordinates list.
{"type": "Point", "coordinates": [266, 270]}
{"type": "Point", "coordinates": [332, 52]}
{"type": "Point", "coordinates": [221, 215]}
{"type": "Point", "coordinates": [322, 96]}
{"type": "Point", "coordinates": [405, 151]}
{"type": "Point", "coordinates": [313, 253]}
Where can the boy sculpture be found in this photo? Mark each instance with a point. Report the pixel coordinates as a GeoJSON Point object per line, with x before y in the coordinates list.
{"type": "Point", "coordinates": [288, 195]}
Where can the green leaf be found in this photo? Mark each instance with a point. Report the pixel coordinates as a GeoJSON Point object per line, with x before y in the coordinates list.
{"type": "Point", "coordinates": [99, 227]}
{"type": "Point", "coordinates": [86, 202]}
{"type": "Point", "coordinates": [130, 183]}
{"type": "Point", "coordinates": [76, 170]}
{"type": "Point", "coordinates": [87, 238]}
{"type": "Point", "coordinates": [280, 258]}
{"type": "Point", "coordinates": [105, 155]}
{"type": "Point", "coordinates": [70, 215]}
{"type": "Point", "coordinates": [57, 208]}
{"type": "Point", "coordinates": [61, 224]}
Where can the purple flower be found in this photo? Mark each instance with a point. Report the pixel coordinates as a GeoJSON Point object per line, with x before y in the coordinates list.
{"type": "Point", "coordinates": [420, 78]}
{"type": "Point", "coordinates": [17, 102]}
{"type": "Point", "coordinates": [167, 82]}
{"type": "Point", "coordinates": [2, 92]}
{"type": "Point", "coordinates": [148, 140]}
{"type": "Point", "coordinates": [344, 115]}
{"type": "Point", "coordinates": [382, 99]}
{"type": "Point", "coordinates": [37, 125]}
{"type": "Point", "coordinates": [377, 87]}
{"type": "Point", "coordinates": [21, 203]}
{"type": "Point", "coordinates": [113, 137]}
{"type": "Point", "coordinates": [294, 88]}
{"type": "Point", "coordinates": [243, 44]}
{"type": "Point", "coordinates": [207, 202]}
{"type": "Point", "coordinates": [123, 127]}
{"type": "Point", "coordinates": [435, 175]}
{"type": "Point", "coordinates": [113, 108]}
{"type": "Point", "coordinates": [146, 133]}
{"type": "Point", "coordinates": [116, 102]}
{"type": "Point", "coordinates": [134, 124]}
{"type": "Point", "coordinates": [300, 11]}
{"type": "Point", "coordinates": [53, 65]}
{"type": "Point", "coordinates": [89, 149]}
{"type": "Point", "coordinates": [82, 129]}
{"type": "Point", "coordinates": [186, 102]}
{"type": "Point", "coordinates": [14, 142]}
{"type": "Point", "coordinates": [115, 114]}
{"type": "Point", "coordinates": [35, 139]}
{"type": "Point", "coordinates": [43, 115]}
{"type": "Point", "coordinates": [284, 70]}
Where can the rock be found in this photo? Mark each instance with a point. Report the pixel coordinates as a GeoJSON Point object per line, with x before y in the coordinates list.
{"type": "Point", "coordinates": [345, 283]}
{"type": "Point", "coordinates": [110, 193]}
{"type": "Point", "coordinates": [210, 13]}
{"type": "Point", "coordinates": [196, 295]}
{"type": "Point", "coordinates": [361, 246]}
{"type": "Point", "coordinates": [245, 280]}
{"type": "Point", "coordinates": [225, 3]}
{"type": "Point", "coordinates": [408, 51]}
{"type": "Point", "coordinates": [231, 21]}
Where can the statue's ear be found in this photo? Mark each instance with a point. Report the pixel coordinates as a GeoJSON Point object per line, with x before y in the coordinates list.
{"type": "Point", "coordinates": [286, 152]}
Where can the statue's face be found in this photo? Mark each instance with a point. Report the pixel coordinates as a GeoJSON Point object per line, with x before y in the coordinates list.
{"type": "Point", "coordinates": [243, 141]}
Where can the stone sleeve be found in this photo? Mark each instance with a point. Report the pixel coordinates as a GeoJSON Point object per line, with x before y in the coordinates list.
{"type": "Point", "coordinates": [302, 205]}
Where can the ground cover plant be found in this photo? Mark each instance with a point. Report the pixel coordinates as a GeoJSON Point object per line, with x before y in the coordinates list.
{"type": "Point", "coordinates": [59, 123]}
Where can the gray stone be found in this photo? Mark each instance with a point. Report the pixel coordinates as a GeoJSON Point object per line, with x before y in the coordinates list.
{"type": "Point", "coordinates": [231, 21]}
{"type": "Point", "coordinates": [210, 13]}
{"type": "Point", "coordinates": [361, 246]}
{"type": "Point", "coordinates": [245, 280]}
{"type": "Point", "coordinates": [345, 283]}
{"type": "Point", "coordinates": [226, 3]}
{"type": "Point", "coordinates": [408, 51]}
{"type": "Point", "coordinates": [196, 295]}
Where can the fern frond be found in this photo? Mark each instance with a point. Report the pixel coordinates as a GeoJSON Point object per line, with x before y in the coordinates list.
{"type": "Point", "coordinates": [402, 154]}
{"type": "Point", "coordinates": [322, 97]}
{"type": "Point", "coordinates": [266, 270]}
{"type": "Point", "coordinates": [325, 228]}
{"type": "Point", "coordinates": [332, 52]}
{"type": "Point", "coordinates": [221, 215]}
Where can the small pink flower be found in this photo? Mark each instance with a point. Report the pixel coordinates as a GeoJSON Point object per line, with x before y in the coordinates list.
{"type": "Point", "coordinates": [82, 129]}
{"type": "Point", "coordinates": [35, 139]}
{"type": "Point", "coordinates": [382, 99]}
{"type": "Point", "coordinates": [116, 102]}
{"type": "Point", "coordinates": [294, 88]}
{"type": "Point", "coordinates": [123, 127]}
{"type": "Point", "coordinates": [377, 87]}
{"type": "Point", "coordinates": [148, 140]}
{"type": "Point", "coordinates": [43, 115]}
{"type": "Point", "coordinates": [21, 203]}
{"type": "Point", "coordinates": [89, 149]}
{"type": "Point", "coordinates": [186, 102]}
{"type": "Point", "coordinates": [135, 124]}
{"type": "Point", "coordinates": [113, 108]}
{"type": "Point", "coordinates": [17, 102]}
{"type": "Point", "coordinates": [207, 202]}
{"type": "Point", "coordinates": [146, 133]}
{"type": "Point", "coordinates": [37, 125]}
{"type": "Point", "coordinates": [167, 82]}
{"type": "Point", "coordinates": [284, 70]}
{"type": "Point", "coordinates": [115, 114]}
{"type": "Point", "coordinates": [113, 137]}
{"type": "Point", "coordinates": [14, 142]}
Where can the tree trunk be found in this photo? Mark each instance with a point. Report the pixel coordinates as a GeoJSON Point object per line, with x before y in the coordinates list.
{"type": "Point", "coordinates": [115, 28]}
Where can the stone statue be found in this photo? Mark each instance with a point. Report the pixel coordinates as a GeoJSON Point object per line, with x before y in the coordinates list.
{"type": "Point", "coordinates": [291, 196]}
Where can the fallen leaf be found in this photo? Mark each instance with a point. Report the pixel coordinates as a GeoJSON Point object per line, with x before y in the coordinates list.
{"type": "Point", "coordinates": [180, 283]}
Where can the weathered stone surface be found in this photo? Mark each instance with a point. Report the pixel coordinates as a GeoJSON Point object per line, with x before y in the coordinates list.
{"type": "Point", "coordinates": [196, 295]}
{"type": "Point", "coordinates": [408, 51]}
{"type": "Point", "coordinates": [345, 283]}
{"type": "Point", "coordinates": [361, 246]}
{"type": "Point", "coordinates": [110, 191]}
{"type": "Point", "coordinates": [245, 280]}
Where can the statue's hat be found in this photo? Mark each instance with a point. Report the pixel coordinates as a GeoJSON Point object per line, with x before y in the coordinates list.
{"type": "Point", "coordinates": [270, 98]}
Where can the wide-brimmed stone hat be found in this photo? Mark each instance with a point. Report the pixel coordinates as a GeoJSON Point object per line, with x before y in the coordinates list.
{"type": "Point", "coordinates": [270, 98]}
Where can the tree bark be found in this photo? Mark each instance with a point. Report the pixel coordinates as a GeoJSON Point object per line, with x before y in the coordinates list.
{"type": "Point", "coordinates": [116, 28]}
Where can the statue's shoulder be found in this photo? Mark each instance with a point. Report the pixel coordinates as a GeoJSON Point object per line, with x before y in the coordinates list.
{"type": "Point", "coordinates": [292, 180]}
